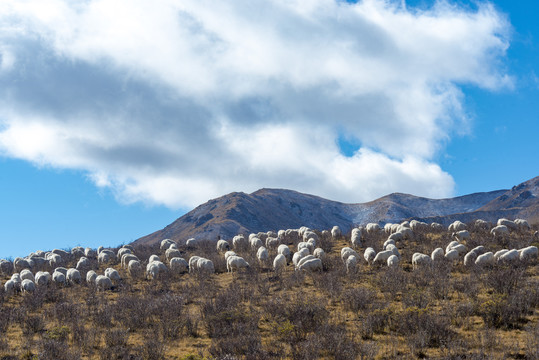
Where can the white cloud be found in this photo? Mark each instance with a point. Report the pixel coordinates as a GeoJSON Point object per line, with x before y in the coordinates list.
{"type": "Point", "coordinates": [176, 102]}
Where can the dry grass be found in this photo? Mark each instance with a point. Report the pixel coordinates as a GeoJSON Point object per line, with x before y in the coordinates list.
{"type": "Point", "coordinates": [445, 313]}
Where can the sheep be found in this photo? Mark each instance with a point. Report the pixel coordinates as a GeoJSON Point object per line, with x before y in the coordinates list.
{"type": "Point", "coordinates": [291, 236]}
{"type": "Point", "coordinates": [154, 268]}
{"type": "Point", "coordinates": [312, 241]}
{"type": "Point", "coordinates": [134, 268]}
{"type": "Point", "coordinates": [394, 249]}
{"type": "Point", "coordinates": [83, 263]}
{"type": "Point", "coordinates": [452, 255]}
{"type": "Point", "coordinates": [126, 259]}
{"type": "Point", "coordinates": [205, 266]}
{"type": "Point", "coordinates": [419, 226]}
{"type": "Point", "coordinates": [27, 274]}
{"type": "Point", "coordinates": [381, 257]}
{"type": "Point", "coordinates": [320, 253]}
{"type": "Point", "coordinates": [55, 260]}
{"type": "Point", "coordinates": [451, 245]}
{"type": "Point", "coordinates": [42, 278]}
{"type": "Point", "coordinates": [37, 262]}
{"type": "Point", "coordinates": [369, 255]}
{"type": "Point", "coordinates": [485, 259]}
{"type": "Point", "coordinates": [64, 254]}
{"type": "Point", "coordinates": [21, 264]}
{"type": "Point", "coordinates": [437, 254]}
{"type": "Point", "coordinates": [470, 257]}
{"type": "Point", "coordinates": [172, 253]}
{"type": "Point", "coordinates": [306, 245]}
{"type": "Point", "coordinates": [279, 263]}
{"type": "Point", "coordinates": [522, 225]}
{"type": "Point", "coordinates": [456, 226]}
{"type": "Point", "coordinates": [297, 257]}
{"type": "Point", "coordinates": [336, 232]}
{"type": "Point", "coordinates": [123, 251]}
{"type": "Point", "coordinates": [178, 265]}
{"type": "Point", "coordinates": [255, 243]}
{"type": "Point", "coordinates": [355, 238]}
{"type": "Point", "coordinates": [372, 228]}
{"type": "Point", "coordinates": [90, 253]}
{"type": "Point", "coordinates": [11, 286]}
{"type": "Point", "coordinates": [272, 234]}
{"type": "Point", "coordinates": [113, 274]}
{"type": "Point", "coordinates": [388, 242]}
{"type": "Point", "coordinates": [346, 252]}
{"type": "Point", "coordinates": [227, 255]}
{"type": "Point", "coordinates": [103, 283]}
{"type": "Point", "coordinates": [500, 253]}
{"type": "Point", "coordinates": [396, 236]}
{"type": "Point", "coordinates": [311, 265]}
{"type": "Point", "coordinates": [479, 250]}
{"type": "Point", "coordinates": [406, 232]}
{"type": "Point", "coordinates": [351, 264]}
{"type": "Point", "coordinates": [104, 257]}
{"type": "Point", "coordinates": [90, 277]}
{"type": "Point", "coordinates": [462, 235]}
{"type": "Point", "coordinates": [436, 227]}
{"type": "Point", "coordinates": [191, 243]}
{"type": "Point", "coordinates": [285, 251]}
{"type": "Point", "coordinates": [309, 235]}
{"type": "Point", "coordinates": [239, 242]}
{"type": "Point", "coordinates": [419, 259]}
{"type": "Point", "coordinates": [61, 269]}
{"type": "Point", "coordinates": [272, 242]}
{"type": "Point", "coordinates": [393, 261]}
{"type": "Point", "coordinates": [281, 235]}
{"type": "Point", "coordinates": [236, 263]}
{"type": "Point", "coordinates": [529, 253]}
{"type": "Point", "coordinates": [262, 236]}
{"type": "Point", "coordinates": [510, 224]}
{"type": "Point", "coordinates": [165, 244]}
{"type": "Point", "coordinates": [223, 246]}
{"type": "Point", "coordinates": [460, 248]}
{"type": "Point", "coordinates": [481, 224]}
{"type": "Point", "coordinates": [509, 257]}
{"type": "Point", "coordinates": [6, 267]}
{"type": "Point", "coordinates": [28, 285]}
{"type": "Point", "coordinates": [73, 276]}
{"type": "Point", "coordinates": [499, 231]}
{"type": "Point", "coordinates": [262, 255]}
{"type": "Point", "coordinates": [58, 277]}
{"type": "Point", "coordinates": [153, 258]}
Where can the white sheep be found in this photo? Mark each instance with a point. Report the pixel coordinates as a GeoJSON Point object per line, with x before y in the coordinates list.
{"type": "Point", "coordinates": [499, 231]}
{"type": "Point", "coordinates": [239, 242]}
{"type": "Point", "coordinates": [191, 243]}
{"type": "Point", "coordinates": [419, 260]}
{"type": "Point", "coordinates": [83, 263]}
{"type": "Point", "coordinates": [134, 268]}
{"type": "Point", "coordinates": [381, 257]}
{"type": "Point", "coordinates": [154, 268]}
{"type": "Point", "coordinates": [452, 255]}
{"type": "Point", "coordinates": [153, 258]}
{"type": "Point", "coordinates": [11, 286]}
{"type": "Point", "coordinates": [262, 255]}
{"type": "Point", "coordinates": [227, 255]}
{"type": "Point", "coordinates": [27, 274]}
{"type": "Point", "coordinates": [319, 253]}
{"type": "Point", "coordinates": [309, 235]}
{"type": "Point", "coordinates": [461, 235]}
{"type": "Point", "coordinates": [351, 264]}
{"type": "Point", "coordinates": [255, 243]}
{"type": "Point", "coordinates": [194, 259]}
{"type": "Point", "coordinates": [21, 264]}
{"type": "Point", "coordinates": [451, 245]}
{"type": "Point", "coordinates": [456, 226]}
{"type": "Point", "coordinates": [205, 266]}
{"type": "Point", "coordinates": [112, 274]}
{"type": "Point", "coordinates": [481, 224]}
{"type": "Point", "coordinates": [6, 267]}
{"type": "Point", "coordinates": [460, 248]}
{"type": "Point", "coordinates": [122, 251]}
{"type": "Point", "coordinates": [28, 285]}
{"type": "Point", "coordinates": [499, 253]}
{"type": "Point", "coordinates": [346, 252]}
{"type": "Point", "coordinates": [437, 254]}
{"type": "Point", "coordinates": [104, 257]}
{"type": "Point", "coordinates": [528, 254]}
{"type": "Point", "coordinates": [393, 261]}
{"type": "Point", "coordinates": [479, 250]}
{"type": "Point", "coordinates": [103, 283]}
{"type": "Point", "coordinates": [372, 228]}
{"type": "Point", "coordinates": [509, 256]}
{"type": "Point", "coordinates": [387, 228]}
{"type": "Point", "coordinates": [55, 260]}
{"type": "Point", "coordinates": [522, 224]}
{"type": "Point", "coordinates": [223, 246]}
{"type": "Point", "coordinates": [369, 255]}
{"type": "Point", "coordinates": [90, 253]}
{"type": "Point", "coordinates": [355, 238]}
{"type": "Point", "coordinates": [279, 263]}
{"type": "Point", "coordinates": [311, 265]}
{"type": "Point", "coordinates": [91, 276]}
{"type": "Point", "coordinates": [236, 263]}
{"type": "Point", "coordinates": [42, 278]}
{"type": "Point", "coordinates": [272, 242]}
{"type": "Point", "coordinates": [406, 232]}
{"type": "Point", "coordinates": [166, 243]}
{"type": "Point", "coordinates": [396, 236]}
{"type": "Point", "coordinates": [285, 251]}
{"type": "Point", "coordinates": [126, 259]}
{"type": "Point", "coordinates": [73, 276]}
{"type": "Point", "coordinates": [394, 249]}
{"type": "Point", "coordinates": [58, 277]}
{"type": "Point", "coordinates": [178, 265]}
{"type": "Point", "coordinates": [297, 257]}
{"type": "Point", "coordinates": [306, 245]}
{"type": "Point", "coordinates": [470, 257]}
{"type": "Point", "coordinates": [485, 259]}
{"type": "Point", "coordinates": [510, 224]}
{"type": "Point", "coordinates": [388, 242]}
{"type": "Point", "coordinates": [437, 227]}
{"type": "Point", "coordinates": [336, 232]}
{"type": "Point", "coordinates": [271, 233]}
{"type": "Point", "coordinates": [172, 253]}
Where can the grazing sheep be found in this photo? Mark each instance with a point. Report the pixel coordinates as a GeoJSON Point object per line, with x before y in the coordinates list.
{"type": "Point", "coordinates": [134, 268]}
{"type": "Point", "coordinates": [456, 226]}
{"type": "Point", "coordinates": [239, 242]}
{"type": "Point", "coordinates": [28, 285]}
{"type": "Point", "coordinates": [91, 276]}
{"type": "Point", "coordinates": [126, 259]}
{"type": "Point", "coordinates": [42, 278]}
{"type": "Point", "coordinates": [37, 262]}
{"type": "Point", "coordinates": [460, 248]}
{"type": "Point", "coordinates": [272, 234]}
{"type": "Point", "coordinates": [191, 243]}
{"type": "Point", "coordinates": [396, 236]}
{"type": "Point", "coordinates": [500, 253]}
{"type": "Point", "coordinates": [393, 261]}
{"type": "Point", "coordinates": [103, 283]}
{"type": "Point", "coordinates": [21, 264]}
{"type": "Point", "coordinates": [272, 242]}
{"type": "Point", "coordinates": [172, 253]}
{"type": "Point", "coordinates": [27, 274]}
{"type": "Point", "coordinates": [419, 260]}
{"type": "Point", "coordinates": [355, 238]}
{"type": "Point", "coordinates": [436, 227]}
{"type": "Point", "coordinates": [369, 255]}
{"type": "Point", "coordinates": [306, 245]}
{"type": "Point", "coordinates": [372, 228]}
{"type": "Point", "coordinates": [194, 259]}
{"type": "Point", "coordinates": [178, 265]}
{"type": "Point", "coordinates": [500, 231]}
{"type": "Point", "coordinates": [394, 249]}
{"type": "Point", "coordinates": [154, 268]}
{"type": "Point", "coordinates": [510, 224]}
{"type": "Point", "coordinates": [281, 235]}
{"type": "Point", "coordinates": [291, 236]}
{"type": "Point", "coordinates": [55, 260]}
{"type": "Point", "coordinates": [285, 251]}
{"type": "Point", "coordinates": [262, 255]}
{"type": "Point", "coordinates": [485, 259]}
{"type": "Point", "coordinates": [58, 277]}
{"type": "Point", "coordinates": [236, 263]}
{"type": "Point", "coordinates": [419, 226]}
{"type": "Point", "coordinates": [153, 258]}
{"type": "Point", "coordinates": [205, 266]}
{"type": "Point", "coordinates": [227, 255]}
{"type": "Point", "coordinates": [510, 256]}
{"type": "Point", "coordinates": [470, 257]}
{"type": "Point", "coordinates": [166, 243]}
{"type": "Point", "coordinates": [255, 243]}
{"type": "Point", "coordinates": [462, 235]}
{"type": "Point", "coordinates": [388, 242]}
{"type": "Point", "coordinates": [437, 254]}
{"type": "Point", "coordinates": [309, 235]}
{"type": "Point", "coordinates": [528, 254]}
{"type": "Point", "coordinates": [452, 255]}
{"type": "Point", "coordinates": [311, 265]}
{"type": "Point", "coordinates": [6, 267]}
{"type": "Point", "coordinates": [90, 253]}
{"type": "Point", "coordinates": [297, 257]}
{"type": "Point", "coordinates": [351, 264]}
{"type": "Point", "coordinates": [387, 228]}
{"type": "Point", "coordinates": [336, 232]}
{"type": "Point", "coordinates": [346, 252]}
{"type": "Point", "coordinates": [223, 246]}
{"type": "Point", "coordinates": [479, 250]}
{"type": "Point", "coordinates": [481, 224]}
{"type": "Point", "coordinates": [73, 276]}
{"type": "Point", "coordinates": [11, 286]}
{"type": "Point", "coordinates": [406, 232]}
{"type": "Point", "coordinates": [63, 270]}
{"type": "Point", "coordinates": [123, 251]}
{"type": "Point", "coordinates": [262, 236]}
{"type": "Point", "coordinates": [522, 225]}
{"type": "Point", "coordinates": [381, 257]}
{"type": "Point", "coordinates": [104, 257]}
{"type": "Point", "coordinates": [279, 263]}
{"type": "Point", "coordinates": [83, 263]}
{"type": "Point", "coordinates": [451, 245]}
{"type": "Point", "coordinates": [319, 253]}
{"type": "Point", "coordinates": [113, 274]}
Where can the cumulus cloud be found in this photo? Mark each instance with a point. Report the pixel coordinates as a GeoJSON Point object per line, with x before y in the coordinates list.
{"type": "Point", "coordinates": [175, 102]}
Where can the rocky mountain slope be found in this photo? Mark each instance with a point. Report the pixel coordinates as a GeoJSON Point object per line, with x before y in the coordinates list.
{"type": "Point", "coordinates": [274, 209]}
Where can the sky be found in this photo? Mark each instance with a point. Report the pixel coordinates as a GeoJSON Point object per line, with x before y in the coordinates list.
{"type": "Point", "coordinates": [117, 117]}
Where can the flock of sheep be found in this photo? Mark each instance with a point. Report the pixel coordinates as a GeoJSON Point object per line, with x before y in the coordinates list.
{"type": "Point", "coordinates": [29, 272]}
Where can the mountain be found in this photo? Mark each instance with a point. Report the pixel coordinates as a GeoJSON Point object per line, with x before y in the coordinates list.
{"type": "Point", "coordinates": [274, 209]}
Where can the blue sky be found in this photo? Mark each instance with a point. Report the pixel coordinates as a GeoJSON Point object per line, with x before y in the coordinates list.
{"type": "Point", "coordinates": [118, 117]}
